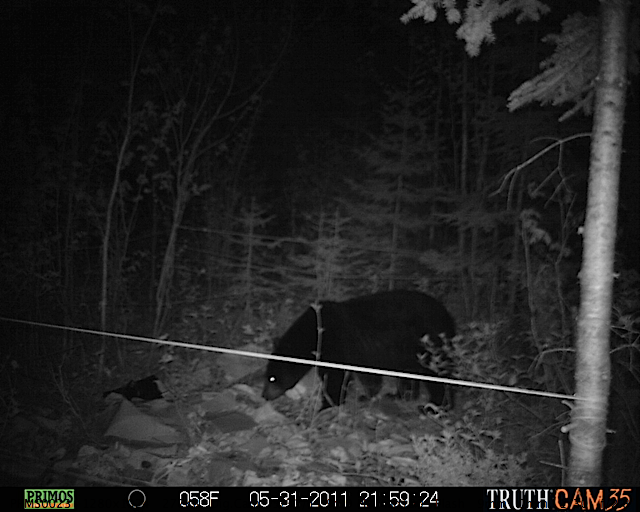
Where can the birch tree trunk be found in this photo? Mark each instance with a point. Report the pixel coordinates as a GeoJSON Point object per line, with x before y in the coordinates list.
{"type": "Point", "coordinates": [593, 365]}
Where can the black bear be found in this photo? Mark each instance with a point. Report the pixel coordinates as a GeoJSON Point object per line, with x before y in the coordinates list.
{"type": "Point", "coordinates": [396, 330]}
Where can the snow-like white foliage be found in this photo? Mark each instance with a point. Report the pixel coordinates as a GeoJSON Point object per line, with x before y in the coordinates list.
{"type": "Point", "coordinates": [478, 16]}
{"type": "Point", "coordinates": [570, 72]}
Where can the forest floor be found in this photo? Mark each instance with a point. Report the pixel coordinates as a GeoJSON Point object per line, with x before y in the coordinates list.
{"type": "Point", "coordinates": [202, 422]}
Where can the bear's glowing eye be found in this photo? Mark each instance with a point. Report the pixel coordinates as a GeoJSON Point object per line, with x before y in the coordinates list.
{"type": "Point", "coordinates": [272, 378]}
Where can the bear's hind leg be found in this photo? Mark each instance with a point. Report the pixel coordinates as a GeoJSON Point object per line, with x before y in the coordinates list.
{"type": "Point", "coordinates": [436, 392]}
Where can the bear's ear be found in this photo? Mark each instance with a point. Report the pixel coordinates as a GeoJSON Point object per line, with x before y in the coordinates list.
{"type": "Point", "coordinates": [276, 341]}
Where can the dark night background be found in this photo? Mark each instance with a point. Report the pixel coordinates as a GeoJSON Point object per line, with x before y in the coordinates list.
{"type": "Point", "coordinates": [297, 151]}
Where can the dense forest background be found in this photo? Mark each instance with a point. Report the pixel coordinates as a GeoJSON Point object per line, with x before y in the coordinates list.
{"type": "Point", "coordinates": [197, 167]}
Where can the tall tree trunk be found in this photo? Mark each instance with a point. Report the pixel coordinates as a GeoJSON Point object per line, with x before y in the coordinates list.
{"type": "Point", "coordinates": [593, 365]}
{"type": "Point", "coordinates": [465, 283]}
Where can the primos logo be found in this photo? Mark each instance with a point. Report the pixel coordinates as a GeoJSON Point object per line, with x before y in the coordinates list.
{"type": "Point", "coordinates": [48, 498]}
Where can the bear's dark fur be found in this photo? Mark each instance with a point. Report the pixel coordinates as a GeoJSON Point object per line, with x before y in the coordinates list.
{"type": "Point", "coordinates": [382, 331]}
